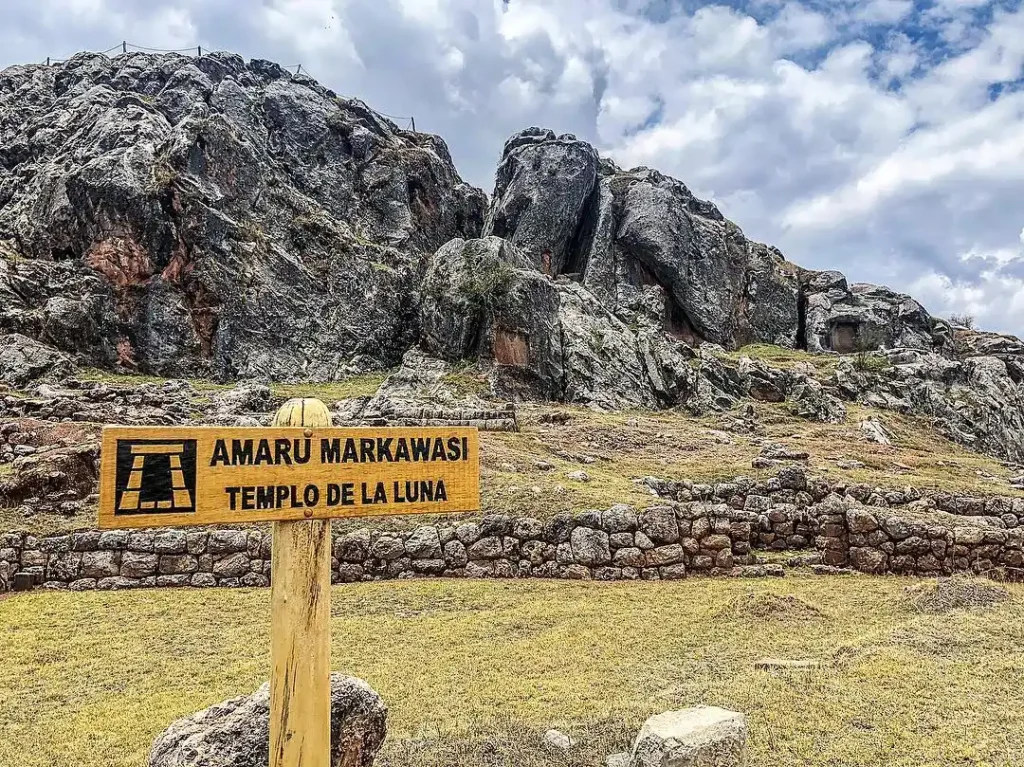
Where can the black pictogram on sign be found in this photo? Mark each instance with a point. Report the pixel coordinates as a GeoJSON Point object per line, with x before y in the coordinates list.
{"type": "Point", "coordinates": [155, 476]}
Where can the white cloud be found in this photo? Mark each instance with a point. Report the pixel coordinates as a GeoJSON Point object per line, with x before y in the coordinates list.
{"type": "Point", "coordinates": [994, 298]}
{"type": "Point", "coordinates": [985, 146]}
{"type": "Point", "coordinates": [798, 28]}
{"type": "Point", "coordinates": [310, 25]}
{"type": "Point", "coordinates": [882, 11]}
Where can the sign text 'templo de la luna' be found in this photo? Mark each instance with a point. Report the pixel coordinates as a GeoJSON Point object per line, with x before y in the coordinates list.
{"type": "Point", "coordinates": [153, 476]}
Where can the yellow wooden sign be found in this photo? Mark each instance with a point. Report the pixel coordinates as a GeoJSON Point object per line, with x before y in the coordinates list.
{"type": "Point", "coordinates": [156, 476]}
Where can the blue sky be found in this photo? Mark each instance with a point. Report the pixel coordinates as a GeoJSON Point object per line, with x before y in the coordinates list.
{"type": "Point", "coordinates": [884, 138]}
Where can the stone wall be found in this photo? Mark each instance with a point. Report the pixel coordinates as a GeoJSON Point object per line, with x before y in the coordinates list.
{"type": "Point", "coordinates": [691, 529]}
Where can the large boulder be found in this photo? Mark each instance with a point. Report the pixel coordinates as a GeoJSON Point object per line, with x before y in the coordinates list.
{"type": "Point", "coordinates": [702, 736]}
{"type": "Point", "coordinates": [212, 216]}
{"type": "Point", "coordinates": [860, 317]}
{"type": "Point", "coordinates": [236, 733]}
{"type": "Point", "coordinates": [975, 401]}
{"type": "Point", "coordinates": [714, 286]}
{"type": "Point", "coordinates": [23, 360]}
{"type": "Point", "coordinates": [542, 196]}
{"type": "Point", "coordinates": [601, 357]}
{"type": "Point", "coordinates": [483, 300]}
{"type": "Point", "coordinates": [52, 476]}
{"type": "Point", "coordinates": [621, 232]}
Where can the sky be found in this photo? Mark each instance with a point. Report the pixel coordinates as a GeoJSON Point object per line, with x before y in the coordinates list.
{"type": "Point", "coordinates": [882, 138]}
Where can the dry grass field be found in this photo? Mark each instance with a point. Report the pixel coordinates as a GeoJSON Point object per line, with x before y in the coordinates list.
{"type": "Point", "coordinates": [475, 671]}
{"type": "Point", "coordinates": [621, 447]}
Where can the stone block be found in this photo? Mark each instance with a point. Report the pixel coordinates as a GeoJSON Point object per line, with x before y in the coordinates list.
{"type": "Point", "coordinates": [620, 518]}
{"type": "Point", "coordinates": [424, 543]}
{"type": "Point", "coordinates": [114, 540]}
{"type": "Point", "coordinates": [176, 581]}
{"type": "Point", "coordinates": [659, 524]}
{"type": "Point", "coordinates": [227, 542]}
{"type": "Point", "coordinates": [674, 572]}
{"type": "Point", "coordinates": [664, 555]}
{"type": "Point", "coordinates": [629, 557]}
{"type": "Point", "coordinates": [232, 566]}
{"type": "Point", "coordinates": [142, 541]}
{"type": "Point", "coordinates": [455, 553]}
{"type": "Point", "coordinates": [203, 580]}
{"type": "Point", "coordinates": [170, 542]}
{"type": "Point", "coordinates": [136, 564]}
{"type": "Point", "coordinates": [86, 541]}
{"type": "Point", "coordinates": [485, 548]}
{"type": "Point", "coordinates": [178, 564]}
{"type": "Point", "coordinates": [527, 528]}
{"type": "Point", "coordinates": [101, 564]}
{"type": "Point", "coordinates": [702, 736]}
{"type": "Point", "coordinates": [590, 547]}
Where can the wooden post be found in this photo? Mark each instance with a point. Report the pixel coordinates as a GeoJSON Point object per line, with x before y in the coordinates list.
{"type": "Point", "coordinates": [300, 634]}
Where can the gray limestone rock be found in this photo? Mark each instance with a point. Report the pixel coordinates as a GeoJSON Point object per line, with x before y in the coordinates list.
{"type": "Point", "coordinates": [219, 217]}
{"type": "Point", "coordinates": [23, 360]}
{"type": "Point", "coordinates": [236, 733]}
{"type": "Point", "coordinates": [849, 318]}
{"type": "Point", "coordinates": [590, 547]}
{"type": "Point", "coordinates": [702, 736]}
{"type": "Point", "coordinates": [229, 219]}
{"type": "Point", "coordinates": [542, 197]}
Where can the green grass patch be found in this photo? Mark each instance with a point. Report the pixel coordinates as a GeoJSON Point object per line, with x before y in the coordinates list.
{"type": "Point", "coordinates": [467, 380]}
{"type": "Point", "coordinates": [356, 386]}
{"type": "Point", "coordinates": [136, 379]}
{"type": "Point", "coordinates": [782, 357]}
{"type": "Point", "coordinates": [471, 668]}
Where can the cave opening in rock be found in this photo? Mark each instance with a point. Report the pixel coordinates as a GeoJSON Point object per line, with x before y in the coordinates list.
{"type": "Point", "coordinates": [801, 318]}
{"type": "Point", "coordinates": [583, 238]}
{"type": "Point", "coordinates": [678, 324]}
{"type": "Point", "coordinates": [845, 336]}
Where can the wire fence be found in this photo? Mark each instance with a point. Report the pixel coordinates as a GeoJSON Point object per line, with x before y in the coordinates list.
{"type": "Point", "coordinates": [197, 50]}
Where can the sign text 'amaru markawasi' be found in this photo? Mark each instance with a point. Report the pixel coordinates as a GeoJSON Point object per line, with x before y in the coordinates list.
{"type": "Point", "coordinates": [205, 475]}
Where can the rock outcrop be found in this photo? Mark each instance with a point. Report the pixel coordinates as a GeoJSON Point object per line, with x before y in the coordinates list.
{"type": "Point", "coordinates": [976, 401]}
{"type": "Point", "coordinates": [860, 317]}
{"type": "Point", "coordinates": [207, 216]}
{"type": "Point", "coordinates": [25, 360]}
{"type": "Point", "coordinates": [621, 232]}
{"type": "Point", "coordinates": [187, 216]}
{"type": "Point", "coordinates": [595, 285]}
{"type": "Point", "coordinates": [236, 733]}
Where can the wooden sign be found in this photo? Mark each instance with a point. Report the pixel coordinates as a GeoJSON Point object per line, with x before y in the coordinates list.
{"type": "Point", "coordinates": [156, 476]}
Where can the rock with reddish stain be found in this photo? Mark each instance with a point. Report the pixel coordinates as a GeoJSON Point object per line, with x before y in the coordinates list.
{"type": "Point", "coordinates": [219, 217]}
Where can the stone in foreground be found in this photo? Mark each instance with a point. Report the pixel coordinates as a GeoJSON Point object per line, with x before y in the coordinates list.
{"type": "Point", "coordinates": [236, 733]}
{"type": "Point", "coordinates": [702, 736]}
{"type": "Point", "coordinates": [557, 740]}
